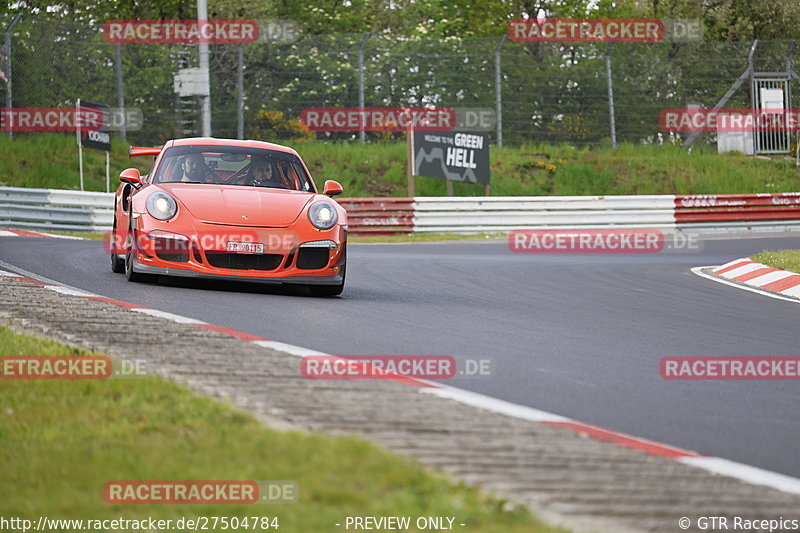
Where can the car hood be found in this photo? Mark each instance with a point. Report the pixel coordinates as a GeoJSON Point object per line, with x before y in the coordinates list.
{"type": "Point", "coordinates": [240, 205]}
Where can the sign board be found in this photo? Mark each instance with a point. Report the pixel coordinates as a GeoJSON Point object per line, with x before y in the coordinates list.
{"type": "Point", "coordinates": [191, 82]}
{"type": "Point", "coordinates": [95, 137]}
{"type": "Point", "coordinates": [772, 99]}
{"type": "Point", "coordinates": [452, 155]}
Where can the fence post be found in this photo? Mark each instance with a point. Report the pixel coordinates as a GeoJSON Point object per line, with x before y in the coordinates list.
{"type": "Point", "coordinates": [611, 98]}
{"type": "Point", "coordinates": [362, 134]}
{"type": "Point", "coordinates": [498, 91]}
{"type": "Point", "coordinates": [120, 93]}
{"type": "Point", "coordinates": [205, 99]}
{"type": "Point", "coordinates": [790, 73]}
{"type": "Point", "coordinates": [7, 48]}
{"type": "Point", "coordinates": [240, 92]}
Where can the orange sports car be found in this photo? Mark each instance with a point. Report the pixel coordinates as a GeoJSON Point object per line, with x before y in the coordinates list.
{"type": "Point", "coordinates": [232, 210]}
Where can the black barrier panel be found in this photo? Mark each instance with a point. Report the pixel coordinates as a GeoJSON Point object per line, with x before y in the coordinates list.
{"type": "Point", "coordinates": [98, 139]}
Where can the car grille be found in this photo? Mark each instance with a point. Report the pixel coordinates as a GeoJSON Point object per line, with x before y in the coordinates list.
{"type": "Point", "coordinates": [312, 258]}
{"type": "Point", "coordinates": [244, 261]}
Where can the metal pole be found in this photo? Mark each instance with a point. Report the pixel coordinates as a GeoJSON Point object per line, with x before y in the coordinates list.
{"type": "Point", "coordinates": [78, 126]}
{"type": "Point", "coordinates": [205, 100]}
{"type": "Point", "coordinates": [240, 93]}
{"type": "Point", "coordinates": [108, 172]}
{"type": "Point", "coordinates": [498, 92]}
{"type": "Point", "coordinates": [611, 98]}
{"type": "Point", "coordinates": [120, 92]}
{"type": "Point", "coordinates": [790, 73]}
{"type": "Point", "coordinates": [362, 133]}
{"type": "Point", "coordinates": [410, 161]}
{"type": "Point", "coordinates": [7, 47]}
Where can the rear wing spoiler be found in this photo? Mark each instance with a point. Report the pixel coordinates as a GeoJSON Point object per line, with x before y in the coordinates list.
{"type": "Point", "coordinates": [137, 151]}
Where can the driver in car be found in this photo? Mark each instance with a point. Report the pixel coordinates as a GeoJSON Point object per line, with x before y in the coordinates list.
{"type": "Point", "coordinates": [262, 174]}
{"type": "Point", "coordinates": [195, 169]}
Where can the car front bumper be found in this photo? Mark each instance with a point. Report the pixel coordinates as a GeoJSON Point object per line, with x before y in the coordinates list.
{"type": "Point", "coordinates": [140, 268]}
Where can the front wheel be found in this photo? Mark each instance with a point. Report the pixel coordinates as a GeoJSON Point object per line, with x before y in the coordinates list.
{"type": "Point", "coordinates": [117, 264]}
{"type": "Point", "coordinates": [130, 274]}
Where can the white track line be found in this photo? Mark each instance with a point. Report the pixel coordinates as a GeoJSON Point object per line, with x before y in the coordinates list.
{"type": "Point", "coordinates": [750, 474]}
{"type": "Point", "coordinates": [70, 291]}
{"type": "Point", "coordinates": [57, 236]}
{"type": "Point", "coordinates": [180, 319]}
{"type": "Point", "coordinates": [291, 349]}
{"type": "Point", "coordinates": [494, 405]}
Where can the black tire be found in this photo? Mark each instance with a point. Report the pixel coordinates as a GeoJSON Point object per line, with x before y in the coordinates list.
{"type": "Point", "coordinates": [117, 264]}
{"type": "Point", "coordinates": [328, 290]}
{"type": "Point", "coordinates": [129, 273]}
{"type": "Point", "coordinates": [136, 276]}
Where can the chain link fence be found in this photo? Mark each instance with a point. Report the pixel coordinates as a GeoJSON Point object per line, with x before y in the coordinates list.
{"type": "Point", "coordinates": [578, 93]}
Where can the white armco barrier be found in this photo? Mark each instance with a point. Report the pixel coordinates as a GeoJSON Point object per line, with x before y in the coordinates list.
{"type": "Point", "coordinates": [75, 211]}
{"type": "Point", "coordinates": [506, 213]}
{"type": "Point", "coordinates": [56, 210]}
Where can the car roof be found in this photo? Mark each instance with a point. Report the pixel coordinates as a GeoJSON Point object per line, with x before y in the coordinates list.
{"type": "Point", "coordinates": [212, 141]}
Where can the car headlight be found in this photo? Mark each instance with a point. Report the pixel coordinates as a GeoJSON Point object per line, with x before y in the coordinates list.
{"type": "Point", "coordinates": [161, 205]}
{"type": "Point", "coordinates": [323, 215]}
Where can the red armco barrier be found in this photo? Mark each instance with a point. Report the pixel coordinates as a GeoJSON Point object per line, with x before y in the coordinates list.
{"type": "Point", "coordinates": [379, 216]}
{"type": "Point", "coordinates": [737, 207]}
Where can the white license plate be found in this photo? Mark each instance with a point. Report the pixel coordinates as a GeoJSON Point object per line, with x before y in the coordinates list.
{"type": "Point", "coordinates": [246, 247]}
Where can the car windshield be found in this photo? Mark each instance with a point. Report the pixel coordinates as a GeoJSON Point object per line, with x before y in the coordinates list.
{"type": "Point", "coordinates": [233, 166]}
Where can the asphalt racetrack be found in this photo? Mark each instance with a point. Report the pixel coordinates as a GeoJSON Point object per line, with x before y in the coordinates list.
{"type": "Point", "coordinates": [580, 335]}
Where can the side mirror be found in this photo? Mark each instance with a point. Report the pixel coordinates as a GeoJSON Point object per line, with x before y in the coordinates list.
{"type": "Point", "coordinates": [332, 188]}
{"type": "Point", "coordinates": [132, 176]}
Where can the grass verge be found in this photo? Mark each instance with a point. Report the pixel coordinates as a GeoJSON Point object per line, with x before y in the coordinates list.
{"type": "Point", "coordinates": [62, 440]}
{"type": "Point", "coordinates": [378, 169]}
{"type": "Point", "coordinates": [783, 259]}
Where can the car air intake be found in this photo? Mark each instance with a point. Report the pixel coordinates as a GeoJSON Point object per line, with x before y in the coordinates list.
{"type": "Point", "coordinates": [171, 250]}
{"type": "Point", "coordinates": [312, 258]}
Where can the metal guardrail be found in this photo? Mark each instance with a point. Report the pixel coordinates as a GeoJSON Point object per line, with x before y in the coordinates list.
{"type": "Point", "coordinates": [379, 216]}
{"type": "Point", "coordinates": [55, 209]}
{"type": "Point", "coordinates": [506, 213]}
{"type": "Point", "coordinates": [76, 211]}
